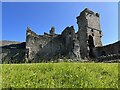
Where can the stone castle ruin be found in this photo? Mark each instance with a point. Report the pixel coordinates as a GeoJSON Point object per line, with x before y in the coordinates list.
{"type": "Point", "coordinates": [85, 44]}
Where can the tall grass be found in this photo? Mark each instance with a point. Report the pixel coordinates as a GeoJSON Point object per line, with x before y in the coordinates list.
{"type": "Point", "coordinates": [60, 75]}
{"type": "Point", "coordinates": [0, 76]}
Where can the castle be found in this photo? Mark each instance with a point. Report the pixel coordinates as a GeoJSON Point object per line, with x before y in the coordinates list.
{"type": "Point", "coordinates": [86, 44]}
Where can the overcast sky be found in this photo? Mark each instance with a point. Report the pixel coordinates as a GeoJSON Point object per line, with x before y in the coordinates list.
{"type": "Point", "coordinates": [41, 16]}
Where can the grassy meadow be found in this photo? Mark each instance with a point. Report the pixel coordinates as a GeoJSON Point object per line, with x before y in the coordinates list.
{"type": "Point", "coordinates": [0, 82]}
{"type": "Point", "coordinates": [60, 75]}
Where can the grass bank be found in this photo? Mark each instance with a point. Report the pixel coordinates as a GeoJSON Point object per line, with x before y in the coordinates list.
{"type": "Point", "coordinates": [60, 75]}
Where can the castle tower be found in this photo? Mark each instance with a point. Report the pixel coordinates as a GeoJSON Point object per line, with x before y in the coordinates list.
{"type": "Point", "coordinates": [89, 33]}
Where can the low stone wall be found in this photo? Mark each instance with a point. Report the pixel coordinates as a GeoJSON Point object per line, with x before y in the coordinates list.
{"type": "Point", "coordinates": [107, 50]}
{"type": "Point", "coordinates": [13, 55]}
{"type": "Point", "coordinates": [115, 57]}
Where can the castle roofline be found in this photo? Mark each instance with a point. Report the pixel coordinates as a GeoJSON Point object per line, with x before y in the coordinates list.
{"type": "Point", "coordinates": [87, 10]}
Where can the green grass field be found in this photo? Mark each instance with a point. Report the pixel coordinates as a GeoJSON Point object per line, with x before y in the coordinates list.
{"type": "Point", "coordinates": [60, 75]}
{"type": "Point", "coordinates": [0, 82]}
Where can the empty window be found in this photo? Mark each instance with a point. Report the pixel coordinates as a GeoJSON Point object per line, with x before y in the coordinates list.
{"type": "Point", "coordinates": [92, 30]}
{"type": "Point", "coordinates": [69, 32]}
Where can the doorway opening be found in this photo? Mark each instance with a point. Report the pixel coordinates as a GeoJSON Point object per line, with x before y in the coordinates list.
{"type": "Point", "coordinates": [90, 41]}
{"type": "Point", "coordinates": [91, 46]}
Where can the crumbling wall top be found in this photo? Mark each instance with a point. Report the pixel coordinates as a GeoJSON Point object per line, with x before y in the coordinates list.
{"type": "Point", "coordinates": [68, 30]}
{"type": "Point", "coordinates": [87, 11]}
{"type": "Point", "coordinates": [31, 33]}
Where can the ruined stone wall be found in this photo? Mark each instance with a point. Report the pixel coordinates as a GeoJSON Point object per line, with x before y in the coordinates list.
{"type": "Point", "coordinates": [52, 46]}
{"type": "Point", "coordinates": [68, 34]}
{"type": "Point", "coordinates": [108, 49]}
{"type": "Point", "coordinates": [13, 53]}
{"type": "Point", "coordinates": [82, 35]}
{"type": "Point", "coordinates": [43, 47]}
{"type": "Point", "coordinates": [52, 49]}
{"type": "Point", "coordinates": [109, 58]}
{"type": "Point", "coordinates": [72, 48]}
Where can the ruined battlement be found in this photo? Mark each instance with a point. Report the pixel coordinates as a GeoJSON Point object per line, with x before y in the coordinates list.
{"type": "Point", "coordinates": [68, 31]}
{"type": "Point", "coordinates": [29, 32]}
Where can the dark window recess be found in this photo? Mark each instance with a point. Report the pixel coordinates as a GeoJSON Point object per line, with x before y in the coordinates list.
{"type": "Point", "coordinates": [91, 41]}
{"type": "Point", "coordinates": [11, 58]}
{"type": "Point", "coordinates": [78, 37]}
{"type": "Point", "coordinates": [69, 32]}
{"type": "Point", "coordinates": [40, 46]}
{"type": "Point", "coordinates": [92, 30]}
{"type": "Point", "coordinates": [91, 46]}
{"type": "Point", "coordinates": [103, 53]}
{"type": "Point", "coordinates": [119, 51]}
